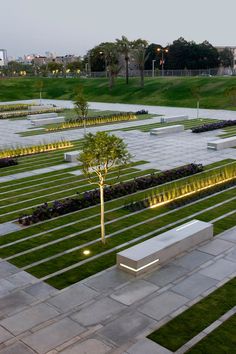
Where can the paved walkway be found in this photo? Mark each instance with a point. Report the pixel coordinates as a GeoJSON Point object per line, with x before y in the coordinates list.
{"type": "Point", "coordinates": [110, 312]}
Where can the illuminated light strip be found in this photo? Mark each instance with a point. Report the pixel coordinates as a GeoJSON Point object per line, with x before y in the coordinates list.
{"type": "Point", "coordinates": [189, 224]}
{"type": "Point", "coordinates": [198, 190]}
{"type": "Point", "coordinates": [143, 267]}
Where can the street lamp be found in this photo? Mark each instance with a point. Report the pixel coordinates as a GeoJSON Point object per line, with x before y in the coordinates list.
{"type": "Point", "coordinates": [153, 66]}
{"type": "Point", "coordinates": [162, 51]}
{"type": "Point", "coordinates": [105, 59]}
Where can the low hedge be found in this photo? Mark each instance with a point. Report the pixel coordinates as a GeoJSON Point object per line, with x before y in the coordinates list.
{"type": "Point", "coordinates": [9, 115]}
{"type": "Point", "coordinates": [213, 126]}
{"type": "Point", "coordinates": [90, 198]}
{"type": "Point", "coordinates": [14, 107]}
{"type": "Point", "coordinates": [6, 162]}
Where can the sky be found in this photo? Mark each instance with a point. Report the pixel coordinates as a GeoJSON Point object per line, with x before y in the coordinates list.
{"type": "Point", "coordinates": [75, 26]}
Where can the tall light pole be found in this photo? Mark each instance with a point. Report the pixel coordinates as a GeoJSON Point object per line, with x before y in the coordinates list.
{"type": "Point", "coordinates": [153, 67]}
{"type": "Point", "coordinates": [105, 59]}
{"type": "Point", "coordinates": [162, 51]}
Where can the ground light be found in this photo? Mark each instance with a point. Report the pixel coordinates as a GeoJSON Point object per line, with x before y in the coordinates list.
{"type": "Point", "coordinates": [86, 252]}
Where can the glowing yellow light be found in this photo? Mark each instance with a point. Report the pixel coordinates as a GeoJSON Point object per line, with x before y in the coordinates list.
{"type": "Point", "coordinates": [86, 252]}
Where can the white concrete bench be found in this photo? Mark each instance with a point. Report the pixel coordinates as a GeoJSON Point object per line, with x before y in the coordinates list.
{"type": "Point", "coordinates": [173, 119]}
{"type": "Point", "coordinates": [72, 156]}
{"type": "Point", "coordinates": [221, 144]}
{"type": "Point", "coordinates": [160, 249]}
{"type": "Point", "coordinates": [46, 121]}
{"type": "Point", "coordinates": [42, 115]}
{"type": "Point", "coordinates": [39, 108]}
{"type": "Point", "coordinates": [167, 130]}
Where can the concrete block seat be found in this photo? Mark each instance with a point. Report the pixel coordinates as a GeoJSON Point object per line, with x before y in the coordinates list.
{"type": "Point", "coordinates": [42, 116]}
{"type": "Point", "coordinates": [72, 156]}
{"type": "Point", "coordinates": [173, 119]}
{"type": "Point", "coordinates": [46, 121]}
{"type": "Point", "coordinates": [167, 130]}
{"type": "Point", "coordinates": [160, 249]}
{"type": "Point", "coordinates": [39, 108]}
{"type": "Point", "coordinates": [221, 144]}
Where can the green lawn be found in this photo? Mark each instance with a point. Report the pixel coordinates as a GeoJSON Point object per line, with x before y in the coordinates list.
{"type": "Point", "coordinates": [188, 324]}
{"type": "Point", "coordinates": [221, 341]}
{"type": "Point", "coordinates": [158, 91]}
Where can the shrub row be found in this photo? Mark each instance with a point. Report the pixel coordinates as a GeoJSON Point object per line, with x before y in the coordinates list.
{"type": "Point", "coordinates": [6, 162]}
{"type": "Point", "coordinates": [14, 107]}
{"type": "Point", "coordinates": [8, 115]}
{"type": "Point", "coordinates": [87, 199]}
{"type": "Point", "coordinates": [94, 121]}
{"type": "Point", "coordinates": [35, 149]}
{"type": "Point", "coordinates": [143, 204]}
{"type": "Point", "coordinates": [213, 126]}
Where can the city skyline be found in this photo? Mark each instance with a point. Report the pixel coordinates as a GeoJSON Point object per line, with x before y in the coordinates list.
{"type": "Point", "coordinates": [76, 27]}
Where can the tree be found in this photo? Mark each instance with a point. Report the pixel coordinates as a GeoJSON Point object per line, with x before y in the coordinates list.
{"type": "Point", "coordinates": [124, 47]}
{"type": "Point", "coordinates": [101, 152]}
{"type": "Point", "coordinates": [140, 57]}
{"type": "Point", "coordinates": [111, 56]}
{"type": "Point", "coordinates": [55, 68]}
{"type": "Point", "coordinates": [81, 107]}
{"type": "Point", "coordinates": [226, 57]}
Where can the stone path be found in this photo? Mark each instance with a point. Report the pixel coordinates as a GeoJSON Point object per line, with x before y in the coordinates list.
{"type": "Point", "coordinates": [110, 312]}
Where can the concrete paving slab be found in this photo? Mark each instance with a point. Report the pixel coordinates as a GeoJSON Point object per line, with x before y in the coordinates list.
{"type": "Point", "coordinates": [108, 280]}
{"type": "Point", "coordinates": [5, 287]}
{"type": "Point", "coordinates": [216, 247]}
{"type": "Point", "coordinates": [72, 297]}
{"type": "Point", "coordinates": [147, 346]}
{"type": "Point", "coordinates": [14, 302]}
{"type": "Point", "coordinates": [229, 235]}
{"type": "Point", "coordinates": [163, 305]}
{"type": "Point", "coordinates": [7, 269]}
{"type": "Point", "coordinates": [193, 260]}
{"type": "Point", "coordinates": [17, 348]}
{"type": "Point", "coordinates": [4, 335]}
{"type": "Point", "coordinates": [40, 290]}
{"type": "Point", "coordinates": [89, 346]}
{"type": "Point", "coordinates": [134, 292]}
{"type": "Point", "coordinates": [22, 278]}
{"type": "Point", "coordinates": [29, 318]}
{"type": "Point", "coordinates": [52, 336]}
{"type": "Point", "coordinates": [125, 327]}
{"type": "Point", "coordinates": [221, 269]}
{"type": "Point", "coordinates": [98, 312]}
{"type": "Point", "coordinates": [231, 256]}
{"type": "Point", "coordinates": [194, 285]}
{"type": "Point", "coordinates": [166, 275]}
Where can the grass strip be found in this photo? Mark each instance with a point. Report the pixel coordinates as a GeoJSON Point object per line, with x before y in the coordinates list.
{"type": "Point", "coordinates": [188, 324]}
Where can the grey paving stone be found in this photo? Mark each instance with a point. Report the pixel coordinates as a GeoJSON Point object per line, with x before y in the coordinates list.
{"type": "Point", "coordinates": [232, 255]}
{"type": "Point", "coordinates": [40, 290]}
{"type": "Point", "coordinates": [5, 287]}
{"type": "Point", "coordinates": [166, 275]}
{"type": "Point", "coordinates": [98, 312]}
{"type": "Point", "coordinates": [125, 327]}
{"type": "Point", "coordinates": [163, 305]}
{"type": "Point", "coordinates": [14, 302]}
{"type": "Point", "coordinates": [229, 235]}
{"type": "Point", "coordinates": [29, 318]}
{"type": "Point", "coordinates": [194, 285]}
{"type": "Point", "coordinates": [52, 336]}
{"type": "Point", "coordinates": [134, 291]}
{"type": "Point", "coordinates": [89, 346]}
{"type": "Point", "coordinates": [17, 348]}
{"type": "Point", "coordinates": [221, 269]}
{"type": "Point", "coordinates": [4, 335]}
{"type": "Point", "coordinates": [109, 280]}
{"type": "Point", "coordinates": [147, 346]}
{"type": "Point", "coordinates": [72, 297]}
{"type": "Point", "coordinates": [22, 278]}
{"type": "Point", "coordinates": [216, 247]}
{"type": "Point", "coordinates": [8, 227]}
{"type": "Point", "coordinates": [7, 269]}
{"type": "Point", "coordinates": [193, 259]}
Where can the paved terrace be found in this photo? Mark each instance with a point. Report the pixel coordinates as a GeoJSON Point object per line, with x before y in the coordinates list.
{"type": "Point", "coordinates": [111, 312]}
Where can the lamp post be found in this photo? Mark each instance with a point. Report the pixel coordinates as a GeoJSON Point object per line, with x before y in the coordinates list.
{"type": "Point", "coordinates": [153, 67]}
{"type": "Point", "coordinates": [105, 60]}
{"type": "Point", "coordinates": [162, 51]}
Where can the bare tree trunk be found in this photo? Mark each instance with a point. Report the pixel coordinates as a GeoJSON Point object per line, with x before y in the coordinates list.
{"type": "Point", "coordinates": [127, 70]}
{"type": "Point", "coordinates": [110, 81]}
{"type": "Point", "coordinates": [141, 78]}
{"type": "Point", "coordinates": [102, 213]}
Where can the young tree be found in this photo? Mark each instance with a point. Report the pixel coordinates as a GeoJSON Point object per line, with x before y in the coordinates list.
{"type": "Point", "coordinates": [81, 107]}
{"type": "Point", "coordinates": [101, 152]}
{"type": "Point", "coordinates": [39, 87]}
{"type": "Point", "coordinates": [140, 57]}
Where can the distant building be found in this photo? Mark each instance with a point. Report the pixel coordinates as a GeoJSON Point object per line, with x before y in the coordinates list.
{"type": "Point", "coordinates": [3, 57]}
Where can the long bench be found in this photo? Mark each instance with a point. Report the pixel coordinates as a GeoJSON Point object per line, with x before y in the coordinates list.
{"type": "Point", "coordinates": [155, 252]}
{"type": "Point", "coordinates": [173, 119]}
{"type": "Point", "coordinates": [42, 116]}
{"type": "Point", "coordinates": [46, 121]}
{"type": "Point", "coordinates": [221, 144]}
{"type": "Point", "coordinates": [167, 130]}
